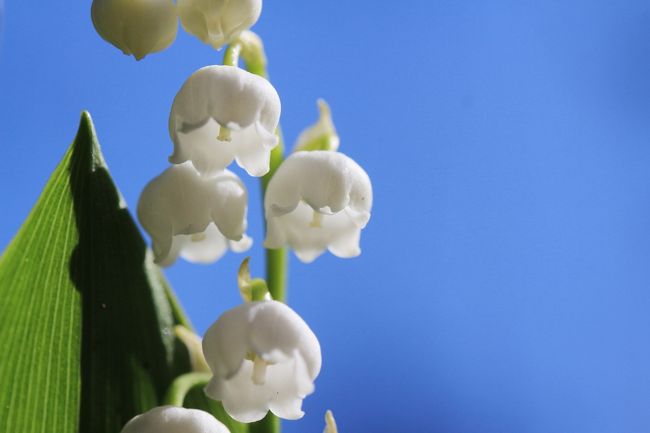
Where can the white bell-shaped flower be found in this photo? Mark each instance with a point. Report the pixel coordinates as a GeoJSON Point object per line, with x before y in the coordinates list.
{"type": "Point", "coordinates": [223, 113]}
{"type": "Point", "coordinates": [318, 200]}
{"type": "Point", "coordinates": [136, 27]}
{"type": "Point", "coordinates": [172, 419]}
{"type": "Point", "coordinates": [263, 357]}
{"type": "Point", "coordinates": [192, 216]}
{"type": "Point", "coordinates": [218, 22]}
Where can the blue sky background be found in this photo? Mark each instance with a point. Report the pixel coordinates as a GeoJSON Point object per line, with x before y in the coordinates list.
{"type": "Point", "coordinates": [504, 281]}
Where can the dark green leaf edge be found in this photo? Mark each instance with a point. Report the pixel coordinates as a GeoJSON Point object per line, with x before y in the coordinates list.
{"type": "Point", "coordinates": [86, 318]}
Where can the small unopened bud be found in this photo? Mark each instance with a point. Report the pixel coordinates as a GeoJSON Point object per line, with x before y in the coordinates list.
{"type": "Point", "coordinates": [251, 289]}
{"type": "Point", "coordinates": [321, 135]}
{"type": "Point", "coordinates": [330, 423]}
{"type": "Point", "coordinates": [137, 27]}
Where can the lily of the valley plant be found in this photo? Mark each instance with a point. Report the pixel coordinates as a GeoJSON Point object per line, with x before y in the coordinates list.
{"type": "Point", "coordinates": [259, 357]}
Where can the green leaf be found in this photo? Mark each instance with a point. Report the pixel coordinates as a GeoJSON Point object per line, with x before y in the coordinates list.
{"type": "Point", "coordinates": [86, 318]}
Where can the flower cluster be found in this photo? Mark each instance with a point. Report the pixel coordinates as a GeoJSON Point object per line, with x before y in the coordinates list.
{"type": "Point", "coordinates": [318, 199]}
{"type": "Point", "coordinates": [262, 355]}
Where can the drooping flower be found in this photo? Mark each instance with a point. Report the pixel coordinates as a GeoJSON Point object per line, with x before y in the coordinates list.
{"type": "Point", "coordinates": [171, 419]}
{"type": "Point", "coordinates": [192, 216]}
{"type": "Point", "coordinates": [218, 22]}
{"type": "Point", "coordinates": [318, 200]}
{"type": "Point", "coordinates": [223, 113]}
{"type": "Point", "coordinates": [263, 357]}
{"type": "Point", "coordinates": [136, 27]}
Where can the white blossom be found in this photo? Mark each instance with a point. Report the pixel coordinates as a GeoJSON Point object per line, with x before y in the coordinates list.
{"type": "Point", "coordinates": [223, 113]}
{"type": "Point", "coordinates": [171, 419]}
{"type": "Point", "coordinates": [263, 357]}
{"type": "Point", "coordinates": [318, 200]}
{"type": "Point", "coordinates": [136, 27]}
{"type": "Point", "coordinates": [192, 216]}
{"type": "Point", "coordinates": [218, 22]}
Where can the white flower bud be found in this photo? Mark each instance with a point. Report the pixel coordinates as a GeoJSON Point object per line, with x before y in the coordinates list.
{"type": "Point", "coordinates": [318, 200]}
{"type": "Point", "coordinates": [171, 419]}
{"type": "Point", "coordinates": [223, 113]}
{"type": "Point", "coordinates": [263, 357]}
{"type": "Point", "coordinates": [137, 27]}
{"type": "Point", "coordinates": [196, 217]}
{"type": "Point", "coordinates": [218, 22]}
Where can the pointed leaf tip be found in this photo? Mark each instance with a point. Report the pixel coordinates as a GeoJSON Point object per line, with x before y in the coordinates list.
{"type": "Point", "coordinates": [84, 310]}
{"type": "Point", "coordinates": [86, 125]}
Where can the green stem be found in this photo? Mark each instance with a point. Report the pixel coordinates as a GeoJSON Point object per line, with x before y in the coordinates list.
{"type": "Point", "coordinates": [255, 67]}
{"type": "Point", "coordinates": [276, 259]}
{"type": "Point", "coordinates": [231, 56]}
{"type": "Point", "coordinates": [182, 385]}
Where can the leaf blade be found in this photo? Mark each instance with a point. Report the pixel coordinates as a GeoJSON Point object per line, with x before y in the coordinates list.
{"type": "Point", "coordinates": [84, 313]}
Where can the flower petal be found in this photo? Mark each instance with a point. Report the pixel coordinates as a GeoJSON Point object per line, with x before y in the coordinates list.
{"type": "Point", "coordinates": [241, 245]}
{"type": "Point", "coordinates": [254, 149]}
{"type": "Point", "coordinates": [207, 247]}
